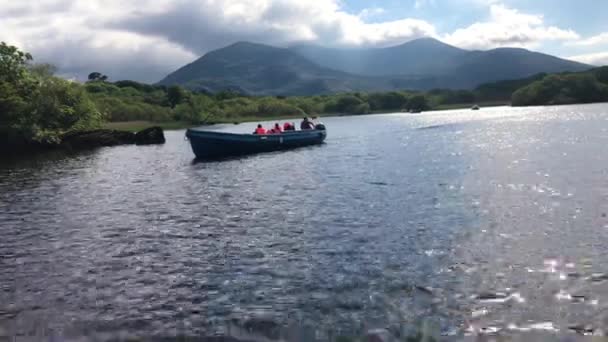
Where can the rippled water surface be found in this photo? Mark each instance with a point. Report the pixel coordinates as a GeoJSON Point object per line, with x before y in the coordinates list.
{"type": "Point", "coordinates": [474, 221]}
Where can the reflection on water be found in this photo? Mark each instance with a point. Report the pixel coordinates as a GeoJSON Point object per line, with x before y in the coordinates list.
{"type": "Point", "coordinates": [476, 222]}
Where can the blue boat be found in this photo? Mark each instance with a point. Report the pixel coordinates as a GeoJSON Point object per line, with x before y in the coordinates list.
{"type": "Point", "coordinates": [213, 145]}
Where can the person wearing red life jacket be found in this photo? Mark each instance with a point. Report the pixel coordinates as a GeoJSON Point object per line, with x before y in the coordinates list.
{"type": "Point", "coordinates": [260, 130]}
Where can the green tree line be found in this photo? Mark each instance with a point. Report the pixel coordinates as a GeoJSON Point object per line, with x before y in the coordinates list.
{"type": "Point", "coordinates": [128, 100]}
{"type": "Point", "coordinates": [565, 88]}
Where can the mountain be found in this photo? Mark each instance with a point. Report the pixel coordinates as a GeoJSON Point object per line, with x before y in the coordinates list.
{"type": "Point", "coordinates": [258, 69]}
{"type": "Point", "coordinates": [423, 64]}
{"type": "Point", "coordinates": [508, 64]}
{"type": "Point", "coordinates": [425, 56]}
{"type": "Point", "coordinates": [433, 58]}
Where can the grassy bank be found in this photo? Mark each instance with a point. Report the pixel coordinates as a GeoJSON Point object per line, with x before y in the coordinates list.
{"type": "Point", "coordinates": [138, 125]}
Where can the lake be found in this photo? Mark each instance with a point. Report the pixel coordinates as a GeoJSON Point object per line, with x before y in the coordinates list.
{"type": "Point", "coordinates": [466, 221]}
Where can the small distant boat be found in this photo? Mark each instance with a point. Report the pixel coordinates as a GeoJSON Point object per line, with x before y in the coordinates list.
{"type": "Point", "coordinates": [212, 145]}
{"type": "Point", "coordinates": [475, 107]}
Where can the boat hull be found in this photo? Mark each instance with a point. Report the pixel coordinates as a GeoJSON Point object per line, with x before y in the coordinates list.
{"type": "Point", "coordinates": [213, 145]}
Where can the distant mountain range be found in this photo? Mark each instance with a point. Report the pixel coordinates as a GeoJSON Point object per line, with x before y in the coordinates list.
{"type": "Point", "coordinates": [421, 64]}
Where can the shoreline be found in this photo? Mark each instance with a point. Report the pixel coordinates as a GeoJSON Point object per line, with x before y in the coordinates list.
{"type": "Point", "coordinates": [133, 126]}
{"type": "Point", "coordinates": [82, 140]}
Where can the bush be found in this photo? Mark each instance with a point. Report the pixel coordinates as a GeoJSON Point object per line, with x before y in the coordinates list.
{"type": "Point", "coordinates": [417, 103]}
{"type": "Point", "coordinates": [562, 89]}
{"type": "Point", "coordinates": [347, 104]}
{"type": "Point", "coordinates": [102, 87]}
{"type": "Point", "coordinates": [601, 74]}
{"type": "Point", "coordinates": [387, 101]}
{"type": "Point", "coordinates": [36, 105]}
{"type": "Point", "coordinates": [197, 110]}
{"type": "Point", "coordinates": [146, 88]}
{"type": "Point", "coordinates": [272, 108]}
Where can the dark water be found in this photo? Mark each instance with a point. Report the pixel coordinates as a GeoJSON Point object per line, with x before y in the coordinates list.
{"type": "Point", "coordinates": [468, 221]}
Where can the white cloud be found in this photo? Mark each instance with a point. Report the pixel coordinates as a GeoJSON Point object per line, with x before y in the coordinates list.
{"type": "Point", "coordinates": [207, 24]}
{"type": "Point", "coordinates": [136, 40]}
{"type": "Point", "coordinates": [599, 39]}
{"type": "Point", "coordinates": [507, 27]}
{"type": "Point", "coordinates": [599, 58]}
{"type": "Point", "coordinates": [133, 39]}
{"type": "Point", "coordinates": [72, 35]}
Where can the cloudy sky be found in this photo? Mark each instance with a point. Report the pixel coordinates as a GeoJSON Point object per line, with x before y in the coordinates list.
{"type": "Point", "coordinates": [145, 40]}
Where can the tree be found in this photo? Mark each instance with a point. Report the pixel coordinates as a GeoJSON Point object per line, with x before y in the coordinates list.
{"type": "Point", "coordinates": [197, 110]}
{"type": "Point", "coordinates": [97, 77]}
{"type": "Point", "coordinates": [390, 100]}
{"type": "Point", "coordinates": [227, 94]}
{"type": "Point", "coordinates": [562, 89]}
{"type": "Point", "coordinates": [417, 102]}
{"type": "Point", "coordinates": [601, 74]}
{"type": "Point", "coordinates": [13, 63]}
{"type": "Point", "coordinates": [349, 104]}
{"type": "Point", "coordinates": [43, 70]}
{"type": "Point", "coordinates": [37, 106]}
{"type": "Point", "coordinates": [15, 84]}
{"type": "Point", "coordinates": [12, 104]}
{"type": "Point", "coordinates": [176, 95]}
{"type": "Point", "coordinates": [58, 106]}
{"type": "Point", "coordinates": [147, 88]}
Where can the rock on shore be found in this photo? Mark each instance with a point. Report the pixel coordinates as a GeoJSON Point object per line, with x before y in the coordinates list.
{"type": "Point", "coordinates": [108, 137]}
{"type": "Point", "coordinates": [96, 138]}
{"type": "Point", "coordinates": [150, 136]}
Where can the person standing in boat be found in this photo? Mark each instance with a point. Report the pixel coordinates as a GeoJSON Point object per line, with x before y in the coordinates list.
{"type": "Point", "coordinates": [260, 130]}
{"type": "Point", "coordinates": [307, 124]}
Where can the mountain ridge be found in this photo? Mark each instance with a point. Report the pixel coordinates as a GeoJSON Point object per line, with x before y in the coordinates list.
{"type": "Point", "coordinates": [416, 57]}
{"type": "Point", "coordinates": [421, 64]}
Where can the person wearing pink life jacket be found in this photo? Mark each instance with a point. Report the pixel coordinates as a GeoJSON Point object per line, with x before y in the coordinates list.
{"type": "Point", "coordinates": [277, 128]}
{"type": "Point", "coordinates": [260, 130]}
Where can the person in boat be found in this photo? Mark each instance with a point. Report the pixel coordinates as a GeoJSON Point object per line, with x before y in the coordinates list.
{"type": "Point", "coordinates": [289, 127]}
{"type": "Point", "coordinates": [318, 124]}
{"type": "Point", "coordinates": [307, 124]}
{"type": "Point", "coordinates": [277, 128]}
{"type": "Point", "coordinates": [260, 130]}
